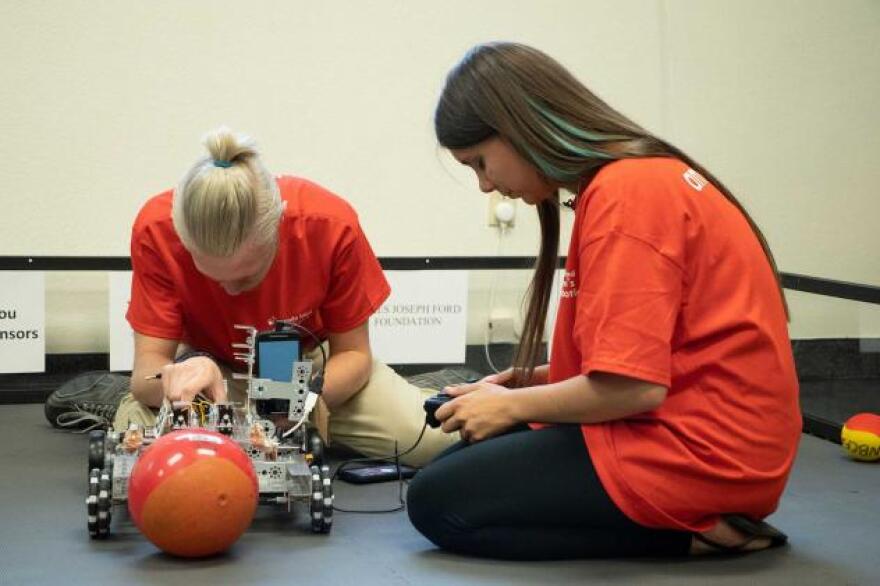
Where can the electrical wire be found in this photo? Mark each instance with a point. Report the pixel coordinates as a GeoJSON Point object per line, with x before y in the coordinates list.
{"type": "Point", "coordinates": [381, 459]}
{"type": "Point", "coordinates": [202, 406]}
{"type": "Point", "coordinates": [316, 385]}
{"type": "Point", "coordinates": [487, 338]}
{"type": "Point", "coordinates": [320, 346]}
{"type": "Point", "coordinates": [319, 378]}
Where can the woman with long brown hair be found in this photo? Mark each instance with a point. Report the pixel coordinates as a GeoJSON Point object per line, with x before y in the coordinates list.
{"type": "Point", "coordinates": [667, 419]}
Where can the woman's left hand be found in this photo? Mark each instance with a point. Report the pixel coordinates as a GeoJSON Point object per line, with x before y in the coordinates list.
{"type": "Point", "coordinates": [478, 411]}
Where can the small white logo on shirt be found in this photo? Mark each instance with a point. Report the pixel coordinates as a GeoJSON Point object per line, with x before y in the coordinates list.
{"type": "Point", "coordinates": [695, 180]}
{"type": "Point", "coordinates": [569, 284]}
{"type": "Point", "coordinates": [297, 319]}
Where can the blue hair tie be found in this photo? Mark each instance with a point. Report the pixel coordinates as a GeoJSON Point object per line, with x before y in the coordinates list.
{"type": "Point", "coordinates": [222, 164]}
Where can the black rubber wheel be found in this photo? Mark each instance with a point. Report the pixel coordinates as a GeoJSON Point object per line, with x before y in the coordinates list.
{"type": "Point", "coordinates": [92, 503]}
{"type": "Point", "coordinates": [96, 449]}
{"type": "Point", "coordinates": [316, 447]}
{"type": "Point", "coordinates": [316, 508]}
{"type": "Point", "coordinates": [327, 502]}
{"type": "Point", "coordinates": [105, 504]}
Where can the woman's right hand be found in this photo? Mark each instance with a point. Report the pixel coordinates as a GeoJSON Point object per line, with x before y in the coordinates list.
{"type": "Point", "coordinates": [184, 380]}
{"type": "Point", "coordinates": [505, 377]}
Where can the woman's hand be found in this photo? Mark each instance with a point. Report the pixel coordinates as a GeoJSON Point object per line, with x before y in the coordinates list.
{"type": "Point", "coordinates": [478, 411]}
{"type": "Point", "coordinates": [505, 377]}
{"type": "Point", "coordinates": [502, 378]}
{"type": "Point", "coordinates": [199, 374]}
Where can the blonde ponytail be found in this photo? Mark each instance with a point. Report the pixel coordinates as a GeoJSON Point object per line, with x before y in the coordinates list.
{"type": "Point", "coordinates": [226, 198]}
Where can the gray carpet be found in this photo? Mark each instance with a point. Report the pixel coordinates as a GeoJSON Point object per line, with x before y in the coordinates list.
{"type": "Point", "coordinates": [830, 511]}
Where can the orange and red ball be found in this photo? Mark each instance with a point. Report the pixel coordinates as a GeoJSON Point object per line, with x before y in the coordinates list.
{"type": "Point", "coordinates": [193, 493]}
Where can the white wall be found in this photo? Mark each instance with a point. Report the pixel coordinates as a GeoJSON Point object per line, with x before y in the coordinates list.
{"type": "Point", "coordinates": [779, 99]}
{"type": "Point", "coordinates": [104, 103]}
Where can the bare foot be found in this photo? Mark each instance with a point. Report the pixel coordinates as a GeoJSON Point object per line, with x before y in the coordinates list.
{"type": "Point", "coordinates": [725, 535]}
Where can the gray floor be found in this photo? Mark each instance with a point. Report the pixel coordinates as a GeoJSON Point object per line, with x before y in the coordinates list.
{"type": "Point", "coordinates": [831, 510]}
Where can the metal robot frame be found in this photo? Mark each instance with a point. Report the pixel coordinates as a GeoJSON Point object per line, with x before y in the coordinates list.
{"type": "Point", "coordinates": [286, 451]}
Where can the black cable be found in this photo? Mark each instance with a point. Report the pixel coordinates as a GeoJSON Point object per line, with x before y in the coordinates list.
{"type": "Point", "coordinates": [380, 459]}
{"type": "Point", "coordinates": [319, 378]}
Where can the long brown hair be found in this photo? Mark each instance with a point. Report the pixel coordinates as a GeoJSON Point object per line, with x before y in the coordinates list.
{"type": "Point", "coordinates": [561, 127]}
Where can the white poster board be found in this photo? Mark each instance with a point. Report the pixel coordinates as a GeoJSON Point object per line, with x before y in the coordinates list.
{"type": "Point", "coordinates": [23, 322]}
{"type": "Point", "coordinates": [121, 336]}
{"type": "Point", "coordinates": [424, 321]}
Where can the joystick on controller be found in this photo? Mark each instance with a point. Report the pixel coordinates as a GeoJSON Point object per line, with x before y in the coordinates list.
{"type": "Point", "coordinates": [431, 406]}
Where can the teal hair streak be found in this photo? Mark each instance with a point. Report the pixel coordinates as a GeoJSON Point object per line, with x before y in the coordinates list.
{"type": "Point", "coordinates": [561, 131]}
{"type": "Point", "coordinates": [570, 128]}
{"type": "Point", "coordinates": [552, 171]}
{"type": "Point", "coordinates": [579, 150]}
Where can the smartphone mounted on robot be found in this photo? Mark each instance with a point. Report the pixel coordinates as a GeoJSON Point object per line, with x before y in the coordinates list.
{"type": "Point", "coordinates": [276, 351]}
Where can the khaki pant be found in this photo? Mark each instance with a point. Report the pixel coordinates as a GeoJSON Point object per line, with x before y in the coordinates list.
{"type": "Point", "coordinates": [387, 410]}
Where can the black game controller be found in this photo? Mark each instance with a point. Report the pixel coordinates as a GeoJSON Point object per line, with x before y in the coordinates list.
{"type": "Point", "coordinates": [431, 406]}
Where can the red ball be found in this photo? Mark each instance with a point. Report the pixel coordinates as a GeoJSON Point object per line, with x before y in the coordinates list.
{"type": "Point", "coordinates": [193, 493]}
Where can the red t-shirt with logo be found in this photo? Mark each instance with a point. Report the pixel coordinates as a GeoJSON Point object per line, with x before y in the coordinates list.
{"type": "Point", "coordinates": [324, 276]}
{"type": "Point", "coordinates": [665, 282]}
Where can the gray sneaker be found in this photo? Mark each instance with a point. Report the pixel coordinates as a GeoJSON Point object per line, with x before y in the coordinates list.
{"type": "Point", "coordinates": [438, 379]}
{"type": "Point", "coordinates": [87, 401]}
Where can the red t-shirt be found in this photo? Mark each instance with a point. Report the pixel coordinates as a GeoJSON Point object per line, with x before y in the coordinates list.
{"type": "Point", "coordinates": [324, 276]}
{"type": "Point", "coordinates": [665, 282]}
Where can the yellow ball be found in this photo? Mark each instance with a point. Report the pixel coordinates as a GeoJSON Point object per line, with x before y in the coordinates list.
{"type": "Point", "coordinates": [860, 437]}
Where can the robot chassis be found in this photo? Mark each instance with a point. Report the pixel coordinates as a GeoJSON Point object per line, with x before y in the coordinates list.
{"type": "Point", "coordinates": [288, 463]}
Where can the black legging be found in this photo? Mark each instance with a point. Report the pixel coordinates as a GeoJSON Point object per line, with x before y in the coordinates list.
{"type": "Point", "coordinates": [528, 495]}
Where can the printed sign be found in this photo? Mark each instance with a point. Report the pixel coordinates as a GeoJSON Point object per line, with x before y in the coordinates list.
{"type": "Point", "coordinates": [121, 336]}
{"type": "Point", "coordinates": [424, 321]}
{"type": "Point", "coordinates": [23, 322]}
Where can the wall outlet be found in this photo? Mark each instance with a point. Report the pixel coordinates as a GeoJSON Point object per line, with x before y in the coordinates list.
{"type": "Point", "coordinates": [495, 199]}
{"type": "Point", "coordinates": [502, 326]}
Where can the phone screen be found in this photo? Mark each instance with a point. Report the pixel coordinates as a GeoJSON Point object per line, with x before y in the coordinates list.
{"type": "Point", "coordinates": [275, 358]}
